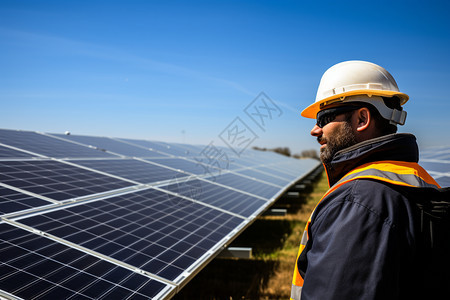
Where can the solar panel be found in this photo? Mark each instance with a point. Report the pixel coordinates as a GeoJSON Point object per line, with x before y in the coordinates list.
{"type": "Point", "coordinates": [11, 153]}
{"type": "Point", "coordinates": [102, 218]}
{"type": "Point", "coordinates": [163, 148]}
{"type": "Point", "coordinates": [436, 161]}
{"type": "Point", "coordinates": [46, 145]}
{"type": "Point", "coordinates": [146, 229]}
{"type": "Point", "coordinates": [192, 166]}
{"type": "Point", "coordinates": [112, 145]}
{"type": "Point", "coordinates": [436, 153]}
{"type": "Point", "coordinates": [297, 166]}
{"type": "Point", "coordinates": [35, 267]}
{"type": "Point", "coordinates": [12, 201]}
{"type": "Point", "coordinates": [190, 150]}
{"type": "Point", "coordinates": [257, 174]}
{"type": "Point", "coordinates": [259, 188]}
{"type": "Point", "coordinates": [136, 170]}
{"type": "Point", "coordinates": [278, 171]}
{"type": "Point", "coordinates": [216, 195]}
{"type": "Point", "coordinates": [56, 180]}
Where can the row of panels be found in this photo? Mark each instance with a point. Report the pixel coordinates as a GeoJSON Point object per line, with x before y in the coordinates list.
{"type": "Point", "coordinates": [96, 218]}
{"type": "Point", "coordinates": [36, 267]}
{"type": "Point", "coordinates": [62, 180]}
{"type": "Point", "coordinates": [58, 181]}
{"type": "Point", "coordinates": [436, 161]}
{"type": "Point", "coordinates": [146, 229]}
{"type": "Point", "coordinates": [148, 232]}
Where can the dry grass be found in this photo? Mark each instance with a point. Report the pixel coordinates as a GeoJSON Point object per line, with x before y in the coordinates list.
{"type": "Point", "coordinates": [275, 242]}
{"type": "Point", "coordinates": [278, 286]}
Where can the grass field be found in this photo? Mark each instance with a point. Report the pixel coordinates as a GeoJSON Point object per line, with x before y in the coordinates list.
{"type": "Point", "coordinates": [274, 241]}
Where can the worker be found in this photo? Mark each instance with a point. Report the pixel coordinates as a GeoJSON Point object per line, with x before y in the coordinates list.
{"type": "Point", "coordinates": [361, 239]}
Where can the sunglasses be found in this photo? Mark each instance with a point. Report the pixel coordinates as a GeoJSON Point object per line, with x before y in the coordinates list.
{"type": "Point", "coordinates": [328, 115]}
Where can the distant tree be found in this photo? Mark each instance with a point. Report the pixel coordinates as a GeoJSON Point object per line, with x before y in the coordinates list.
{"type": "Point", "coordinates": [311, 153]}
{"type": "Point", "coordinates": [282, 150]}
{"type": "Point", "coordinates": [259, 149]}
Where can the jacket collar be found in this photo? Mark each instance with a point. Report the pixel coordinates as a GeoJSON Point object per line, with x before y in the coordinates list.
{"type": "Point", "coordinates": [397, 147]}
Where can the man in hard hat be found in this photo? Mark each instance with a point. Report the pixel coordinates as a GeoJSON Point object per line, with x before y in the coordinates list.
{"type": "Point", "coordinates": [360, 241]}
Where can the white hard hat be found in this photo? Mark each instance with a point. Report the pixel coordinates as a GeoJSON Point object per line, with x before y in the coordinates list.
{"type": "Point", "coordinates": [357, 78]}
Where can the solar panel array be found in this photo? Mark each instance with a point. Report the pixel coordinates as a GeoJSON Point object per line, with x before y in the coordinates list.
{"type": "Point", "coordinates": [436, 160]}
{"type": "Point", "coordinates": [105, 218]}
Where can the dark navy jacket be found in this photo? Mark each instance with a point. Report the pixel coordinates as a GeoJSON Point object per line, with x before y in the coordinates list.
{"type": "Point", "coordinates": [362, 237]}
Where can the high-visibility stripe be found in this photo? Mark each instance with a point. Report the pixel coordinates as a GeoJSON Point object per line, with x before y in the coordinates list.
{"type": "Point", "coordinates": [394, 172]}
{"type": "Point", "coordinates": [399, 173]}
{"type": "Point", "coordinates": [296, 292]}
{"type": "Point", "coordinates": [297, 279]}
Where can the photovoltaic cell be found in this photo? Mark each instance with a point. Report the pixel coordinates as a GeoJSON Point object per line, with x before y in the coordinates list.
{"type": "Point", "coordinates": [56, 180]}
{"type": "Point", "coordinates": [150, 230]}
{"type": "Point", "coordinates": [216, 195]}
{"type": "Point", "coordinates": [114, 224]}
{"type": "Point", "coordinates": [34, 267]}
{"type": "Point", "coordinates": [47, 146]}
{"type": "Point", "coordinates": [132, 169]}
{"type": "Point", "coordinates": [12, 201]}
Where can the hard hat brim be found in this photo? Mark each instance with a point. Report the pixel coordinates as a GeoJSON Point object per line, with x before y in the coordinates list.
{"type": "Point", "coordinates": [312, 110]}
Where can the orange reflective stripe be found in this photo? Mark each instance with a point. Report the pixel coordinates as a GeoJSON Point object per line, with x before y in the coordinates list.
{"type": "Point", "coordinates": [297, 279]}
{"type": "Point", "coordinates": [394, 172]}
{"type": "Point", "coordinates": [401, 169]}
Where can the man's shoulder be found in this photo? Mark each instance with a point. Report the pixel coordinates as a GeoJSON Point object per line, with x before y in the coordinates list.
{"type": "Point", "coordinates": [366, 190]}
{"type": "Point", "coordinates": [366, 196]}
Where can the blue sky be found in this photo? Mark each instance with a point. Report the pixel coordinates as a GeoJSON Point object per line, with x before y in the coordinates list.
{"type": "Point", "coordinates": [183, 71]}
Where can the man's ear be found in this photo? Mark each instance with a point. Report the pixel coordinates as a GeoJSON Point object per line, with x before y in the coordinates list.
{"type": "Point", "coordinates": [363, 119]}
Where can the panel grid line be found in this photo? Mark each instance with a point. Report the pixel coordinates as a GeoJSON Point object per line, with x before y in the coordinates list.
{"type": "Point", "coordinates": [59, 265]}
{"type": "Point", "coordinates": [80, 144]}
{"type": "Point", "coordinates": [100, 217]}
{"type": "Point", "coordinates": [134, 218]}
{"type": "Point", "coordinates": [107, 144]}
{"type": "Point", "coordinates": [88, 251]}
{"type": "Point", "coordinates": [143, 147]}
{"type": "Point", "coordinates": [97, 171]}
{"type": "Point", "coordinates": [22, 150]}
{"type": "Point", "coordinates": [29, 193]}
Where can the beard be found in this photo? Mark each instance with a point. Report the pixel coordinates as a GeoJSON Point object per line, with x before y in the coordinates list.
{"type": "Point", "coordinates": [344, 137]}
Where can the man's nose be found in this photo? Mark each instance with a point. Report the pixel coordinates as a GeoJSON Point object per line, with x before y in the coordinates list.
{"type": "Point", "coordinates": [316, 131]}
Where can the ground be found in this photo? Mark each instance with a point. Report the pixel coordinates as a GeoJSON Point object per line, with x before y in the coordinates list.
{"type": "Point", "coordinates": [275, 241]}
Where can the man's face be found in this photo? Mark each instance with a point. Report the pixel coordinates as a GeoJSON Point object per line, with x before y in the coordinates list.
{"type": "Point", "coordinates": [334, 136]}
